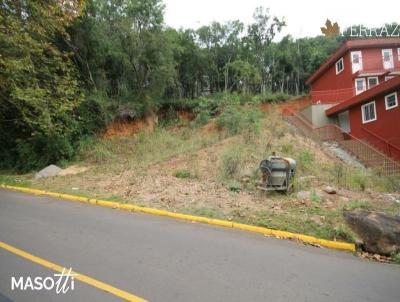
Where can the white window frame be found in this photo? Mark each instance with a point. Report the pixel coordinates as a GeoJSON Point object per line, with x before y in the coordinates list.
{"type": "Point", "coordinates": [390, 56]}
{"type": "Point", "coordinates": [336, 65]}
{"type": "Point", "coordinates": [377, 81]}
{"type": "Point", "coordinates": [395, 105]}
{"type": "Point", "coordinates": [387, 78]}
{"type": "Point", "coordinates": [360, 61]}
{"type": "Point", "coordinates": [363, 115]}
{"type": "Point", "coordinates": [364, 85]}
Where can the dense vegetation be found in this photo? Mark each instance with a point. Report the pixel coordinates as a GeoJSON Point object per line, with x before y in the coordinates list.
{"type": "Point", "coordinates": [69, 67]}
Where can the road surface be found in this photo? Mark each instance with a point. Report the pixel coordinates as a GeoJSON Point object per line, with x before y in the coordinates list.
{"type": "Point", "coordinates": [162, 259]}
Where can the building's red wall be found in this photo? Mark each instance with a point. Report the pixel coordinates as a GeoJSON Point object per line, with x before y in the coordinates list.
{"type": "Point", "coordinates": [332, 88]}
{"type": "Point", "coordinates": [386, 126]}
{"type": "Point", "coordinates": [372, 58]}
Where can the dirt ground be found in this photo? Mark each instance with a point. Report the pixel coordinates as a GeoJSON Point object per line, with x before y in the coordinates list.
{"type": "Point", "coordinates": [184, 175]}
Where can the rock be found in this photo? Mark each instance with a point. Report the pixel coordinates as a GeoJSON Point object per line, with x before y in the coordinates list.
{"type": "Point", "coordinates": [330, 190]}
{"type": "Point", "coordinates": [303, 195]}
{"type": "Point", "coordinates": [49, 171]}
{"type": "Point", "coordinates": [380, 233]}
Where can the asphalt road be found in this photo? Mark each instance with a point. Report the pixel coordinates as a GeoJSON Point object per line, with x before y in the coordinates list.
{"type": "Point", "coordinates": [162, 259]}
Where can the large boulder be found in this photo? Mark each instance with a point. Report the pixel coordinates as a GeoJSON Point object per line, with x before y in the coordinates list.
{"type": "Point", "coordinates": [380, 233]}
{"type": "Point", "coordinates": [49, 171]}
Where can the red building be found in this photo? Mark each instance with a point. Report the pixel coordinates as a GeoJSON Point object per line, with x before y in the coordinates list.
{"type": "Point", "coordinates": [374, 116]}
{"type": "Point", "coordinates": [353, 68]}
{"type": "Point", "coordinates": [358, 88]}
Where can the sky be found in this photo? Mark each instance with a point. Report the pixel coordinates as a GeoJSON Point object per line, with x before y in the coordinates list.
{"type": "Point", "coordinates": [303, 18]}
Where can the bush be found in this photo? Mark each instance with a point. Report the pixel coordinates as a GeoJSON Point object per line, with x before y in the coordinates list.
{"type": "Point", "coordinates": [358, 180]}
{"type": "Point", "coordinates": [230, 119]}
{"type": "Point", "coordinates": [236, 120]}
{"type": "Point", "coordinates": [41, 151]}
{"type": "Point", "coordinates": [305, 160]}
{"type": "Point", "coordinates": [342, 232]}
{"type": "Point", "coordinates": [231, 162]}
{"type": "Point", "coordinates": [92, 116]}
{"type": "Point", "coordinates": [396, 257]}
{"type": "Point", "coordinates": [206, 109]}
{"type": "Point", "coordinates": [234, 186]}
{"type": "Point", "coordinates": [251, 123]}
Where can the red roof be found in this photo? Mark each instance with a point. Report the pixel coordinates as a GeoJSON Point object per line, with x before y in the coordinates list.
{"type": "Point", "coordinates": [351, 45]}
{"type": "Point", "coordinates": [383, 88]}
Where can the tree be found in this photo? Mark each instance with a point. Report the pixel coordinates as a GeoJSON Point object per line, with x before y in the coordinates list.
{"type": "Point", "coordinates": [244, 75]}
{"type": "Point", "coordinates": [259, 36]}
{"type": "Point", "coordinates": [122, 50]}
{"type": "Point", "coordinates": [39, 86]}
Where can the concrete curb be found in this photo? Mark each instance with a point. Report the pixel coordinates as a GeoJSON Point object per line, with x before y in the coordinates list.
{"type": "Point", "coordinates": [224, 223]}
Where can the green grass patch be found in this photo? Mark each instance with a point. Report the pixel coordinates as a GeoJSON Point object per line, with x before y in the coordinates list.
{"type": "Point", "coordinates": [182, 173]}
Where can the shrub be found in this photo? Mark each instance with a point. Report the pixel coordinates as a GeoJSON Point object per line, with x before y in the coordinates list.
{"type": "Point", "coordinates": [91, 116]}
{"type": "Point", "coordinates": [231, 162]}
{"type": "Point", "coordinates": [305, 160]}
{"type": "Point", "coordinates": [342, 232]}
{"type": "Point", "coordinates": [314, 196]}
{"type": "Point", "coordinates": [358, 180]}
{"type": "Point", "coordinates": [396, 257]}
{"type": "Point", "coordinates": [230, 119]}
{"type": "Point", "coordinates": [206, 109]}
{"type": "Point", "coordinates": [41, 151]}
{"type": "Point", "coordinates": [236, 120]}
{"type": "Point", "coordinates": [234, 186]}
{"type": "Point", "coordinates": [251, 123]}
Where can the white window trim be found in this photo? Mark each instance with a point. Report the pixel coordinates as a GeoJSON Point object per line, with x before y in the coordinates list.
{"type": "Point", "coordinates": [336, 65]}
{"type": "Point", "coordinates": [377, 81]}
{"type": "Point", "coordinates": [362, 112]}
{"type": "Point", "coordinates": [395, 105]}
{"type": "Point", "coordinates": [390, 56]}
{"type": "Point", "coordinates": [360, 60]}
{"type": "Point", "coordinates": [364, 85]}
{"type": "Point", "coordinates": [387, 78]}
{"type": "Point", "coordinates": [398, 54]}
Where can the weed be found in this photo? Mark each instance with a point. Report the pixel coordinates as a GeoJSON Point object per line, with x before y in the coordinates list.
{"type": "Point", "coordinates": [314, 196]}
{"type": "Point", "coordinates": [396, 257]}
{"type": "Point", "coordinates": [230, 119]}
{"type": "Point", "coordinates": [240, 120]}
{"type": "Point", "coordinates": [355, 204]}
{"type": "Point", "coordinates": [358, 180]}
{"type": "Point", "coordinates": [231, 162]}
{"type": "Point", "coordinates": [305, 160]}
{"type": "Point", "coordinates": [287, 148]}
{"type": "Point", "coordinates": [234, 186]}
{"type": "Point", "coordinates": [182, 174]}
{"type": "Point", "coordinates": [342, 232]}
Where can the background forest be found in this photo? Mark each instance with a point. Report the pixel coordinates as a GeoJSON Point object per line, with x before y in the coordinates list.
{"type": "Point", "coordinates": [67, 68]}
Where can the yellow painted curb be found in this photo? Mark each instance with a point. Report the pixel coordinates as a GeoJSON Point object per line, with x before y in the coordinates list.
{"type": "Point", "coordinates": [239, 226]}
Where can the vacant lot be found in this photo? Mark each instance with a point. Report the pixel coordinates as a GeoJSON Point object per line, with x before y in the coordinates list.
{"type": "Point", "coordinates": [212, 171]}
